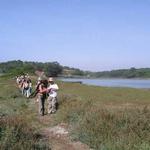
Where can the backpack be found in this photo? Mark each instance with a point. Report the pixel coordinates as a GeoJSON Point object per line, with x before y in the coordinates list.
{"type": "Point", "coordinates": [26, 85]}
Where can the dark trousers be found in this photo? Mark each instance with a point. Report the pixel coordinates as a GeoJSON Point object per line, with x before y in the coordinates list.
{"type": "Point", "coordinates": [41, 98]}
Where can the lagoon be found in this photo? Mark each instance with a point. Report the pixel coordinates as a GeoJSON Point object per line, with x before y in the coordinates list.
{"type": "Point", "coordinates": [132, 83]}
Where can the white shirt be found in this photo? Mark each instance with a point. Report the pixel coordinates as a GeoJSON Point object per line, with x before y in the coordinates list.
{"type": "Point", "coordinates": [53, 90]}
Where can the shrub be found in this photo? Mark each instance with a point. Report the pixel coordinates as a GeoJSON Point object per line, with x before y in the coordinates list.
{"type": "Point", "coordinates": [106, 128]}
{"type": "Point", "coordinates": [125, 129]}
{"type": "Point", "coordinates": [15, 133]}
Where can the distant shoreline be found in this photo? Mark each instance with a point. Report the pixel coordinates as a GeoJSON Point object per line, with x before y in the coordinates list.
{"type": "Point", "coordinates": [84, 77]}
{"type": "Point", "coordinates": [111, 82]}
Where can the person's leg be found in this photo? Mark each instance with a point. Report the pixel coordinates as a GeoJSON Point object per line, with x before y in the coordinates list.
{"type": "Point", "coordinates": [43, 103]}
{"type": "Point", "coordinates": [27, 93]}
{"type": "Point", "coordinates": [54, 102]}
{"type": "Point", "coordinates": [49, 100]}
{"type": "Point", "coordinates": [30, 90]}
{"type": "Point", "coordinates": [40, 104]}
{"type": "Point", "coordinates": [22, 90]}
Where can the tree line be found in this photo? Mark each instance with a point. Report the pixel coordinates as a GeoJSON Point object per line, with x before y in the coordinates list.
{"type": "Point", "coordinates": [124, 73]}
{"type": "Point", "coordinates": [54, 69]}
{"type": "Point", "coordinates": [17, 67]}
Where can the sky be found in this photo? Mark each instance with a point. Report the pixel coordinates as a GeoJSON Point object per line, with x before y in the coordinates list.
{"type": "Point", "coordinates": [93, 35]}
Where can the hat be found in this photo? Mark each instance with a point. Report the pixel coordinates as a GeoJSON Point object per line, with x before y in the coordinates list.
{"type": "Point", "coordinates": [39, 79]}
{"type": "Point", "coordinates": [50, 79]}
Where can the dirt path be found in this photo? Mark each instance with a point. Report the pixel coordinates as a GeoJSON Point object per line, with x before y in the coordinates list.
{"type": "Point", "coordinates": [60, 139]}
{"type": "Point", "coordinates": [58, 136]}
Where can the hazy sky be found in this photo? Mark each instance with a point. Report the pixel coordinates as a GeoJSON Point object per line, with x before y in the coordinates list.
{"type": "Point", "coordinates": [87, 34]}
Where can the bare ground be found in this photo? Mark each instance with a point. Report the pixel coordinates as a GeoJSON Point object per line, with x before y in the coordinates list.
{"type": "Point", "coordinates": [60, 139]}
{"type": "Point", "coordinates": [58, 136]}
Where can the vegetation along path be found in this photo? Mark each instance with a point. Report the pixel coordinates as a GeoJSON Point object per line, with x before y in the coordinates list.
{"type": "Point", "coordinates": [57, 133]}
{"type": "Point", "coordinates": [102, 118]}
{"type": "Point", "coordinates": [53, 135]}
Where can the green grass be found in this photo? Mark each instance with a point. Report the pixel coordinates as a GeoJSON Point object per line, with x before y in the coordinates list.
{"type": "Point", "coordinates": [107, 118]}
{"type": "Point", "coordinates": [107, 95]}
{"type": "Point", "coordinates": [16, 133]}
{"type": "Point", "coordinates": [103, 118]}
{"type": "Point", "coordinates": [18, 120]}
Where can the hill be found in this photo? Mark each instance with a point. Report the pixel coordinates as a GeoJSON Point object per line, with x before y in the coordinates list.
{"type": "Point", "coordinates": [50, 68]}
{"type": "Point", "coordinates": [55, 69]}
{"type": "Point", "coordinates": [124, 73]}
{"type": "Point", "coordinates": [19, 67]}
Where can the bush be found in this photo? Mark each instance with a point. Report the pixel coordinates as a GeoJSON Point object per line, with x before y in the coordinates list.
{"type": "Point", "coordinates": [125, 129]}
{"type": "Point", "coordinates": [15, 133]}
{"type": "Point", "coordinates": [106, 128]}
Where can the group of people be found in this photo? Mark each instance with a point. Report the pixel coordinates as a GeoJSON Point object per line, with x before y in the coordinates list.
{"type": "Point", "coordinates": [44, 89]}
{"type": "Point", "coordinates": [25, 85]}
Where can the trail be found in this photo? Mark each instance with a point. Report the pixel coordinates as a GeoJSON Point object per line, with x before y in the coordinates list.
{"type": "Point", "coordinates": [60, 139]}
{"type": "Point", "coordinates": [58, 136]}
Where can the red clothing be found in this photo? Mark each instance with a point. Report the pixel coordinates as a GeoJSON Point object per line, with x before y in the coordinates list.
{"type": "Point", "coordinates": [42, 89]}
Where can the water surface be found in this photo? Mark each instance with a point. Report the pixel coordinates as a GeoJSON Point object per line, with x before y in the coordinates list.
{"type": "Point", "coordinates": [133, 83]}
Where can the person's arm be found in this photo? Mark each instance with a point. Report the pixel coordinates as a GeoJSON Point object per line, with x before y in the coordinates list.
{"type": "Point", "coordinates": [48, 90]}
{"type": "Point", "coordinates": [42, 89]}
{"type": "Point", "coordinates": [55, 88]}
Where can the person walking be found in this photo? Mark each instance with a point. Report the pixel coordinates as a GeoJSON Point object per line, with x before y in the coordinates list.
{"type": "Point", "coordinates": [29, 88]}
{"type": "Point", "coordinates": [42, 89]}
{"type": "Point", "coordinates": [52, 98]}
{"type": "Point", "coordinates": [26, 88]}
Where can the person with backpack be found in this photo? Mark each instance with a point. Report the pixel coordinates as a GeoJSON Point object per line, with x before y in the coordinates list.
{"type": "Point", "coordinates": [22, 86]}
{"type": "Point", "coordinates": [41, 92]}
{"type": "Point", "coordinates": [52, 98]}
{"type": "Point", "coordinates": [26, 88]}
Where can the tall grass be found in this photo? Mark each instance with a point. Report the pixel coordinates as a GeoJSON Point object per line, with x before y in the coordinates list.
{"type": "Point", "coordinates": [122, 124]}
{"type": "Point", "coordinates": [125, 129]}
{"type": "Point", "coordinates": [103, 118]}
{"type": "Point", "coordinates": [17, 119]}
{"type": "Point", "coordinates": [16, 134]}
